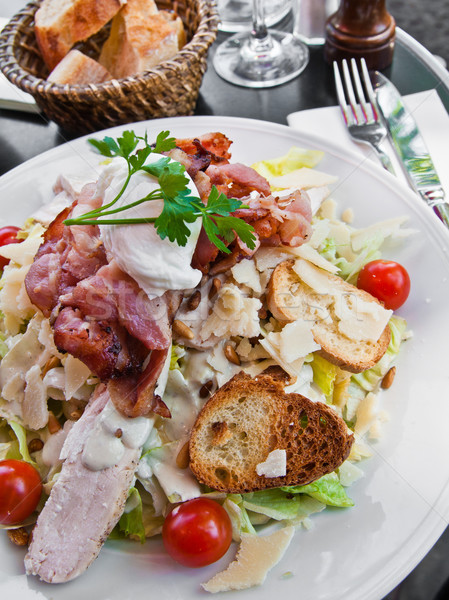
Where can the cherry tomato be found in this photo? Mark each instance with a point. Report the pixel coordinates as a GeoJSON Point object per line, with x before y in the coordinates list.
{"type": "Point", "coordinates": [8, 235]}
{"type": "Point", "coordinates": [387, 281]}
{"type": "Point", "coordinates": [197, 532]}
{"type": "Point", "coordinates": [20, 491]}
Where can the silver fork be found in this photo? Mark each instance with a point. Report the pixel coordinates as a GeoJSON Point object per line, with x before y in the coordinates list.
{"type": "Point", "coordinates": [362, 118]}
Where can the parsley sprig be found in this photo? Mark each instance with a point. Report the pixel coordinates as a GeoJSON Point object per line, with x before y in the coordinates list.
{"type": "Point", "coordinates": [179, 205]}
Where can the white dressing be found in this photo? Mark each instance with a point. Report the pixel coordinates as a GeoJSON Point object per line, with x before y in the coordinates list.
{"type": "Point", "coordinates": [113, 432]}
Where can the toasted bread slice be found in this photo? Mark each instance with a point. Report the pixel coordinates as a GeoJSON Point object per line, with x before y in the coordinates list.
{"type": "Point", "coordinates": [246, 419]}
{"type": "Point", "coordinates": [59, 24]}
{"type": "Point", "coordinates": [77, 68]}
{"type": "Point", "coordinates": [289, 298]}
{"type": "Point", "coordinates": [141, 38]}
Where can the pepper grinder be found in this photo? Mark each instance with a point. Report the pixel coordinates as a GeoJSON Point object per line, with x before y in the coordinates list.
{"type": "Point", "coordinates": [361, 28]}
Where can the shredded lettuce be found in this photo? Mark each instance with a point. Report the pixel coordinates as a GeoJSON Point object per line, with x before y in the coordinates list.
{"type": "Point", "coordinates": [349, 269]}
{"type": "Point", "coordinates": [324, 374]}
{"type": "Point", "coordinates": [370, 378]}
{"type": "Point", "coordinates": [177, 352]}
{"type": "Point", "coordinates": [240, 520]}
{"type": "Point", "coordinates": [273, 503]}
{"type": "Point", "coordinates": [131, 522]}
{"type": "Point", "coordinates": [21, 435]}
{"type": "Point", "coordinates": [327, 489]}
{"type": "Point", "coordinates": [296, 158]}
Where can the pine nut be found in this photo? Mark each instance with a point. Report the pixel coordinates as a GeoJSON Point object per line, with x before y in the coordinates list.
{"type": "Point", "coordinates": [194, 301]}
{"type": "Point", "coordinates": [35, 445]}
{"type": "Point", "coordinates": [231, 354]}
{"type": "Point", "coordinates": [206, 389]}
{"type": "Point", "coordinates": [183, 458]}
{"type": "Point", "coordinates": [216, 285]}
{"type": "Point", "coordinates": [182, 329]}
{"type": "Point", "coordinates": [50, 364]}
{"type": "Point", "coordinates": [388, 379]}
{"type": "Point", "coordinates": [53, 424]}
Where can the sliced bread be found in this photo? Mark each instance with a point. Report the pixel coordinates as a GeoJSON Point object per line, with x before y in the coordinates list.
{"type": "Point", "coordinates": [77, 68]}
{"type": "Point", "coordinates": [247, 419]}
{"type": "Point", "coordinates": [59, 24]}
{"type": "Point", "coordinates": [289, 298]}
{"type": "Point", "coordinates": [141, 38]}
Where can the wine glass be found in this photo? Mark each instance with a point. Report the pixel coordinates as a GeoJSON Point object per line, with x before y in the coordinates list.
{"type": "Point", "coordinates": [236, 15]}
{"type": "Point", "coordinates": [260, 58]}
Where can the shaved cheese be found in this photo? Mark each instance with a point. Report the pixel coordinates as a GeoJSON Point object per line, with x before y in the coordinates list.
{"type": "Point", "coordinates": [23, 253]}
{"type": "Point", "coordinates": [245, 273]}
{"type": "Point", "coordinates": [255, 557]}
{"type": "Point", "coordinates": [269, 258]}
{"type": "Point", "coordinates": [272, 347]}
{"type": "Point", "coordinates": [314, 277]}
{"type": "Point", "coordinates": [328, 209]}
{"type": "Point", "coordinates": [383, 229]}
{"type": "Point", "coordinates": [360, 319]}
{"type": "Point", "coordinates": [232, 314]}
{"type": "Point", "coordinates": [321, 231]}
{"type": "Point", "coordinates": [341, 234]}
{"type": "Point", "coordinates": [307, 252]}
{"type": "Point", "coordinates": [304, 178]}
{"type": "Point", "coordinates": [76, 375]}
{"type": "Point", "coordinates": [275, 464]}
{"type": "Point", "coordinates": [366, 414]}
{"type": "Point", "coordinates": [317, 195]}
{"type": "Point", "coordinates": [296, 340]}
{"type": "Point", "coordinates": [34, 405]}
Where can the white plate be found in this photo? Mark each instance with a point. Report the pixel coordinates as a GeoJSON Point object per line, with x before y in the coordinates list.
{"type": "Point", "coordinates": [402, 503]}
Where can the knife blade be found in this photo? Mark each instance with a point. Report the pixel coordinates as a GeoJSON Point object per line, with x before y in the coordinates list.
{"type": "Point", "coordinates": [410, 146]}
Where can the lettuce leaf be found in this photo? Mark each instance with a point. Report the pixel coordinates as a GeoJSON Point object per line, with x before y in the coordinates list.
{"type": "Point", "coordinates": [296, 158]}
{"type": "Point", "coordinates": [370, 378]}
{"type": "Point", "coordinates": [324, 374]}
{"type": "Point", "coordinates": [273, 503]}
{"type": "Point", "coordinates": [131, 521]}
{"type": "Point", "coordinates": [327, 489]}
{"type": "Point", "coordinates": [3, 345]}
{"type": "Point", "coordinates": [240, 520]}
{"type": "Point", "coordinates": [21, 436]}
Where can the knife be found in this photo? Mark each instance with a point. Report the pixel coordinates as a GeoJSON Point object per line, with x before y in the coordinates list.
{"type": "Point", "coordinates": [410, 146]}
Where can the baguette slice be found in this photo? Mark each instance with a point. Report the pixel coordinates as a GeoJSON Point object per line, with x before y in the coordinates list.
{"type": "Point", "coordinates": [77, 68]}
{"type": "Point", "coordinates": [59, 24]}
{"type": "Point", "coordinates": [246, 419]}
{"type": "Point", "coordinates": [289, 299]}
{"type": "Point", "coordinates": [141, 38]}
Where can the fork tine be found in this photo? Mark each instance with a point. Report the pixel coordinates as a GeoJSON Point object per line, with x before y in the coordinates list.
{"type": "Point", "coordinates": [369, 89]}
{"type": "Point", "coordinates": [350, 89]}
{"type": "Point", "coordinates": [359, 89]}
{"type": "Point", "coordinates": [347, 114]}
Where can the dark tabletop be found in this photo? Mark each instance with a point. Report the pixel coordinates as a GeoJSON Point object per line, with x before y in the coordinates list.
{"type": "Point", "coordinates": [23, 136]}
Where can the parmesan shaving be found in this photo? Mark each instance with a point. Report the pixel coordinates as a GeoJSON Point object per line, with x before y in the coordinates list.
{"type": "Point", "coordinates": [255, 557]}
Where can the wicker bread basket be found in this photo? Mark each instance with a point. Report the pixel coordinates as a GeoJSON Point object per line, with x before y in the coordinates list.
{"type": "Point", "coordinates": [167, 90]}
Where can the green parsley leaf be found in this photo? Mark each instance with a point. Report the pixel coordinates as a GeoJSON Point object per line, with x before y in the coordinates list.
{"type": "Point", "coordinates": [179, 206]}
{"type": "Point", "coordinates": [164, 143]}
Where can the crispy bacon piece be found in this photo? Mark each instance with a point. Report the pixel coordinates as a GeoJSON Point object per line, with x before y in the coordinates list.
{"type": "Point", "coordinates": [66, 256]}
{"type": "Point", "coordinates": [104, 346]}
{"type": "Point", "coordinates": [217, 144]}
{"type": "Point", "coordinates": [134, 396]}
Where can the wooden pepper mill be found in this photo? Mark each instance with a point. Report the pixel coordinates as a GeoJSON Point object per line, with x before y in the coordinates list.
{"type": "Point", "coordinates": [361, 28]}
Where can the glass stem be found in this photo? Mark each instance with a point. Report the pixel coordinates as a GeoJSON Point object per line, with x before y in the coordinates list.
{"type": "Point", "coordinates": [260, 38]}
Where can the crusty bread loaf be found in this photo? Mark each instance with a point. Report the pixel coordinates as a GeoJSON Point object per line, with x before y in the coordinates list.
{"type": "Point", "coordinates": [77, 68]}
{"type": "Point", "coordinates": [246, 419]}
{"type": "Point", "coordinates": [289, 299]}
{"type": "Point", "coordinates": [59, 24]}
{"type": "Point", "coordinates": [141, 38]}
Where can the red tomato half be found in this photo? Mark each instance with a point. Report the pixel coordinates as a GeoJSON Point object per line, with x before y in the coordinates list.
{"type": "Point", "coordinates": [20, 491]}
{"type": "Point", "coordinates": [387, 281]}
{"type": "Point", "coordinates": [197, 532]}
{"type": "Point", "coordinates": [8, 235]}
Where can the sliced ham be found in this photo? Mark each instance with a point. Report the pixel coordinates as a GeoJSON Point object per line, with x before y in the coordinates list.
{"type": "Point", "coordinates": [237, 180]}
{"type": "Point", "coordinates": [216, 143]}
{"type": "Point", "coordinates": [83, 506]}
